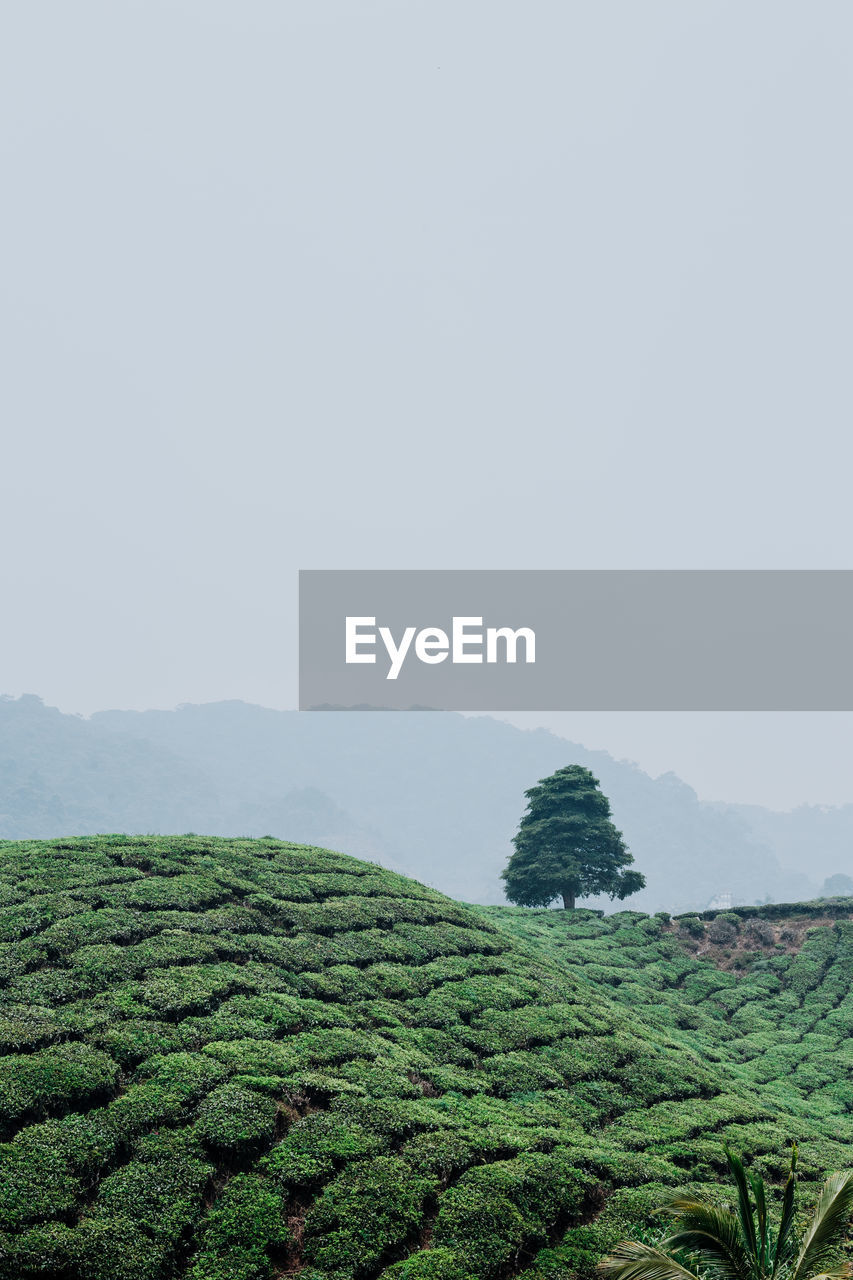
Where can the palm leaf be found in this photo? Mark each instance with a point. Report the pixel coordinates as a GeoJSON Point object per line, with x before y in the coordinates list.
{"type": "Point", "coordinates": [745, 1210]}
{"type": "Point", "coordinates": [757, 1185]}
{"type": "Point", "coordinates": [784, 1238]}
{"type": "Point", "coordinates": [826, 1229]}
{"type": "Point", "coordinates": [632, 1261]}
{"type": "Point", "coordinates": [723, 1244]}
{"type": "Point", "coordinates": [713, 1233]}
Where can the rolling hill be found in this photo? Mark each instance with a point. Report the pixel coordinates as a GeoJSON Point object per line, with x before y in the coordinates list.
{"type": "Point", "coordinates": [239, 1060]}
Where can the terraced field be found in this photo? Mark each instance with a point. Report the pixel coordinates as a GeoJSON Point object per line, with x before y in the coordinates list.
{"type": "Point", "coordinates": [239, 1060]}
{"type": "Point", "coordinates": [767, 993]}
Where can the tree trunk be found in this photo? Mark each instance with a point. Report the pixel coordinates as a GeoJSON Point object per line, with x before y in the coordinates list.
{"type": "Point", "coordinates": [568, 900]}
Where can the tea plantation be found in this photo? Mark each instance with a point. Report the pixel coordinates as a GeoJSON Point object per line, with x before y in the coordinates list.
{"type": "Point", "coordinates": [775, 1009]}
{"type": "Point", "coordinates": [240, 1060]}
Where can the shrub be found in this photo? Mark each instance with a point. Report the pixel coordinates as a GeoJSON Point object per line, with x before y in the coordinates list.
{"type": "Point", "coordinates": [492, 1211]}
{"type": "Point", "coordinates": [139, 1216]}
{"type": "Point", "coordinates": [237, 1233]}
{"type": "Point", "coordinates": [371, 1208]}
{"type": "Point", "coordinates": [721, 931]}
{"type": "Point", "coordinates": [316, 1145]}
{"type": "Point", "coordinates": [761, 932]}
{"type": "Point", "coordinates": [436, 1264]}
{"type": "Point", "coordinates": [233, 1119]}
{"type": "Point", "coordinates": [59, 1076]}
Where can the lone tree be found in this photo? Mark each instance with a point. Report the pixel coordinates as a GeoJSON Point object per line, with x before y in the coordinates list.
{"type": "Point", "coordinates": [566, 846]}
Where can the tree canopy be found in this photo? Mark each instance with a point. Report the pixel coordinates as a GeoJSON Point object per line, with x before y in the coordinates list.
{"type": "Point", "coordinates": [566, 846]}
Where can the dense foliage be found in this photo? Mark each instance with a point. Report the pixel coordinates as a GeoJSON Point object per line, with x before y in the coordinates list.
{"type": "Point", "coordinates": [230, 1060]}
{"type": "Point", "coordinates": [566, 845]}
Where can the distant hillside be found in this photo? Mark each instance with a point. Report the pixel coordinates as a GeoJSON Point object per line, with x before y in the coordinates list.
{"type": "Point", "coordinates": [436, 795]}
{"type": "Point", "coordinates": [63, 773]}
{"type": "Point", "coordinates": [242, 1060]}
{"type": "Point", "coordinates": [825, 830]}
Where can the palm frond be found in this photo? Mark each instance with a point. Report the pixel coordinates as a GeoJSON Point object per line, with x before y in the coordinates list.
{"type": "Point", "coordinates": [745, 1210]}
{"type": "Point", "coordinates": [713, 1233]}
{"type": "Point", "coordinates": [633, 1261]}
{"type": "Point", "coordinates": [785, 1242]}
{"type": "Point", "coordinates": [826, 1229]}
{"type": "Point", "coordinates": [727, 1243]}
{"type": "Point", "coordinates": [681, 1204]}
{"type": "Point", "coordinates": [757, 1185]}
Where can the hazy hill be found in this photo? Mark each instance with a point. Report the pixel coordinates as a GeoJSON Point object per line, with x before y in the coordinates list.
{"type": "Point", "coordinates": [239, 1060]}
{"type": "Point", "coordinates": [64, 773]}
{"type": "Point", "coordinates": [436, 795]}
{"type": "Point", "coordinates": [443, 794]}
{"type": "Point", "coordinates": [825, 830]}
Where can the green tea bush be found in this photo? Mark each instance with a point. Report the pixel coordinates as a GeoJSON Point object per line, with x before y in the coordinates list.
{"type": "Point", "coordinates": [316, 1145]}
{"type": "Point", "coordinates": [60, 1076]}
{"type": "Point", "coordinates": [492, 1211]}
{"type": "Point", "coordinates": [436, 1264]}
{"type": "Point", "coordinates": [371, 1209]}
{"type": "Point", "coordinates": [237, 1235]}
{"type": "Point", "coordinates": [233, 1119]}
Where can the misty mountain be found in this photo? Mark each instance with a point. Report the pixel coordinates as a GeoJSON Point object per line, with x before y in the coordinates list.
{"type": "Point", "coordinates": [61, 774]}
{"type": "Point", "coordinates": [822, 833]}
{"type": "Point", "coordinates": [436, 795]}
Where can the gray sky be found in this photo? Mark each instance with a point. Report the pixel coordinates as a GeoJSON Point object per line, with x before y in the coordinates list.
{"type": "Point", "coordinates": [383, 284]}
{"type": "Point", "coordinates": [778, 759]}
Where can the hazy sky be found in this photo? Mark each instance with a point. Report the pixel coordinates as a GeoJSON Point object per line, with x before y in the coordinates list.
{"type": "Point", "coordinates": [400, 284]}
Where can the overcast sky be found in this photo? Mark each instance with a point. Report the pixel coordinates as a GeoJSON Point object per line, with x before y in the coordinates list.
{"type": "Point", "coordinates": [415, 285]}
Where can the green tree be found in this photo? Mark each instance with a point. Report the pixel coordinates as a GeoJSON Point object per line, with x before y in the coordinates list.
{"type": "Point", "coordinates": [738, 1242]}
{"type": "Point", "coordinates": [566, 846]}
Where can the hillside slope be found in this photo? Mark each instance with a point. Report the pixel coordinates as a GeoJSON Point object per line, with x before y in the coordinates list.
{"type": "Point", "coordinates": [238, 1060]}
{"type": "Point", "coordinates": [766, 993]}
